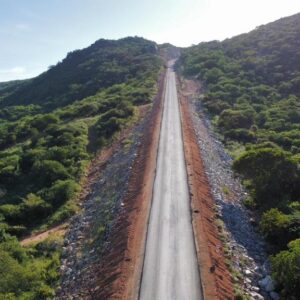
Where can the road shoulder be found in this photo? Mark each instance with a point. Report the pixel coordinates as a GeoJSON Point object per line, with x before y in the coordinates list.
{"type": "Point", "coordinates": [215, 277]}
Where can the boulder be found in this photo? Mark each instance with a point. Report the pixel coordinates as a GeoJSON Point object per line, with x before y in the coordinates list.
{"type": "Point", "coordinates": [256, 296]}
{"type": "Point", "coordinates": [267, 284]}
{"type": "Point", "coordinates": [248, 272]}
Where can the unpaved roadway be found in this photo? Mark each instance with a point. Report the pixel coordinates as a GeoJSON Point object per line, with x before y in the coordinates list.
{"type": "Point", "coordinates": [170, 269]}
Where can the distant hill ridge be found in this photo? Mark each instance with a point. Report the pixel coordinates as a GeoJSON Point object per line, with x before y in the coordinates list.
{"type": "Point", "coordinates": [84, 72]}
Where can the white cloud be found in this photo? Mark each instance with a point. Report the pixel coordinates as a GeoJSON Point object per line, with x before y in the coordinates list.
{"type": "Point", "coordinates": [14, 73]}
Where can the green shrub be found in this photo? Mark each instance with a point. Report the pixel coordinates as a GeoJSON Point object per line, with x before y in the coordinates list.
{"type": "Point", "coordinates": [35, 208]}
{"type": "Point", "coordinates": [62, 213]}
{"type": "Point", "coordinates": [274, 226]}
{"type": "Point", "coordinates": [29, 273]}
{"type": "Point", "coordinates": [41, 122]}
{"type": "Point", "coordinates": [286, 270]}
{"type": "Point", "coordinates": [48, 171]}
{"type": "Point", "coordinates": [11, 212]}
{"type": "Point", "coordinates": [13, 277]}
{"type": "Point", "coordinates": [275, 177]}
{"type": "Point", "coordinates": [107, 128]}
{"type": "Point", "coordinates": [241, 135]}
{"type": "Point", "coordinates": [61, 191]}
{"type": "Point", "coordinates": [29, 157]}
{"type": "Point", "coordinates": [234, 119]}
{"type": "Point", "coordinates": [11, 245]}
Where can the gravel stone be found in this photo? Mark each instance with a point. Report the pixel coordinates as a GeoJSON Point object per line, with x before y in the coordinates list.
{"type": "Point", "coordinates": [246, 246]}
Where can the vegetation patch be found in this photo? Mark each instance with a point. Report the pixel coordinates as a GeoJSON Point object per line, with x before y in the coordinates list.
{"type": "Point", "coordinates": [252, 93]}
{"type": "Point", "coordinates": [50, 128]}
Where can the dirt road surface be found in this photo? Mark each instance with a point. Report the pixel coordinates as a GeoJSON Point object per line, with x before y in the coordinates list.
{"type": "Point", "coordinates": [170, 268]}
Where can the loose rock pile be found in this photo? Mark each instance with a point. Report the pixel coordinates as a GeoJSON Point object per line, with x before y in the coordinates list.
{"type": "Point", "coordinates": [89, 231]}
{"type": "Point", "coordinates": [243, 244]}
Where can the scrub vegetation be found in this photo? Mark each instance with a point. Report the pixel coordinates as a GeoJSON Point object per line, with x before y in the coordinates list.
{"type": "Point", "coordinates": [251, 87]}
{"type": "Point", "coordinates": [50, 128]}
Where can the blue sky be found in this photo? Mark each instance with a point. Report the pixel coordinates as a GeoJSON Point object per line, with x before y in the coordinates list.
{"type": "Point", "coordinates": [35, 34]}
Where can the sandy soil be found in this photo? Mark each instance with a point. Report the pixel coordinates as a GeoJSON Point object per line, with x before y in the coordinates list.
{"type": "Point", "coordinates": [39, 237]}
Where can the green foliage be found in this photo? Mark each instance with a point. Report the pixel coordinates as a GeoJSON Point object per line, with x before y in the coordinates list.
{"type": "Point", "coordinates": [274, 225]}
{"type": "Point", "coordinates": [34, 206]}
{"type": "Point", "coordinates": [48, 171]}
{"type": "Point", "coordinates": [233, 119]}
{"type": "Point", "coordinates": [13, 277]}
{"type": "Point", "coordinates": [274, 176]}
{"type": "Point", "coordinates": [252, 92]}
{"type": "Point", "coordinates": [50, 127]}
{"type": "Point", "coordinates": [286, 270]}
{"type": "Point", "coordinates": [64, 212]}
{"type": "Point", "coordinates": [111, 121]}
{"type": "Point", "coordinates": [47, 131]}
{"type": "Point", "coordinates": [250, 80]}
{"type": "Point", "coordinates": [28, 273]}
{"type": "Point", "coordinates": [61, 191]}
{"type": "Point", "coordinates": [9, 168]}
{"type": "Point", "coordinates": [41, 122]}
{"type": "Point", "coordinates": [84, 72]}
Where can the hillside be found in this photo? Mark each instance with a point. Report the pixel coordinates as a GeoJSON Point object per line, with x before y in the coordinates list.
{"type": "Point", "coordinates": [51, 127]}
{"type": "Point", "coordinates": [251, 90]}
{"type": "Point", "coordinates": [84, 72]}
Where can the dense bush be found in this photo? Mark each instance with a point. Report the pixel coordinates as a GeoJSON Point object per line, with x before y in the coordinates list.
{"type": "Point", "coordinates": [29, 273]}
{"type": "Point", "coordinates": [273, 174]}
{"type": "Point", "coordinates": [286, 270]}
{"type": "Point", "coordinates": [34, 207]}
{"type": "Point", "coordinates": [48, 171]}
{"type": "Point", "coordinates": [275, 227]}
{"type": "Point", "coordinates": [234, 119]}
{"type": "Point", "coordinates": [61, 191]}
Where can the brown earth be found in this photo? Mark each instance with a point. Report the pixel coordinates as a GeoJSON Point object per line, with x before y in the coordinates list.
{"type": "Point", "coordinates": [120, 272]}
{"type": "Point", "coordinates": [39, 237]}
{"type": "Point", "coordinates": [215, 277]}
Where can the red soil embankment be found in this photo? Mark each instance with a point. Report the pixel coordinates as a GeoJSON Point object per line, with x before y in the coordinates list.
{"type": "Point", "coordinates": [120, 272]}
{"type": "Point", "coordinates": [215, 277]}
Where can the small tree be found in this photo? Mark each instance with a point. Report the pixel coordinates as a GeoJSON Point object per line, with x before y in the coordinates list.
{"type": "Point", "coordinates": [274, 226]}
{"type": "Point", "coordinates": [34, 208]}
{"type": "Point", "coordinates": [48, 171]}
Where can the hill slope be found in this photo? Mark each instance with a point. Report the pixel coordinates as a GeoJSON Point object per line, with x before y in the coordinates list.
{"type": "Point", "coordinates": [251, 87]}
{"type": "Point", "coordinates": [50, 128]}
{"type": "Point", "coordinates": [84, 72]}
